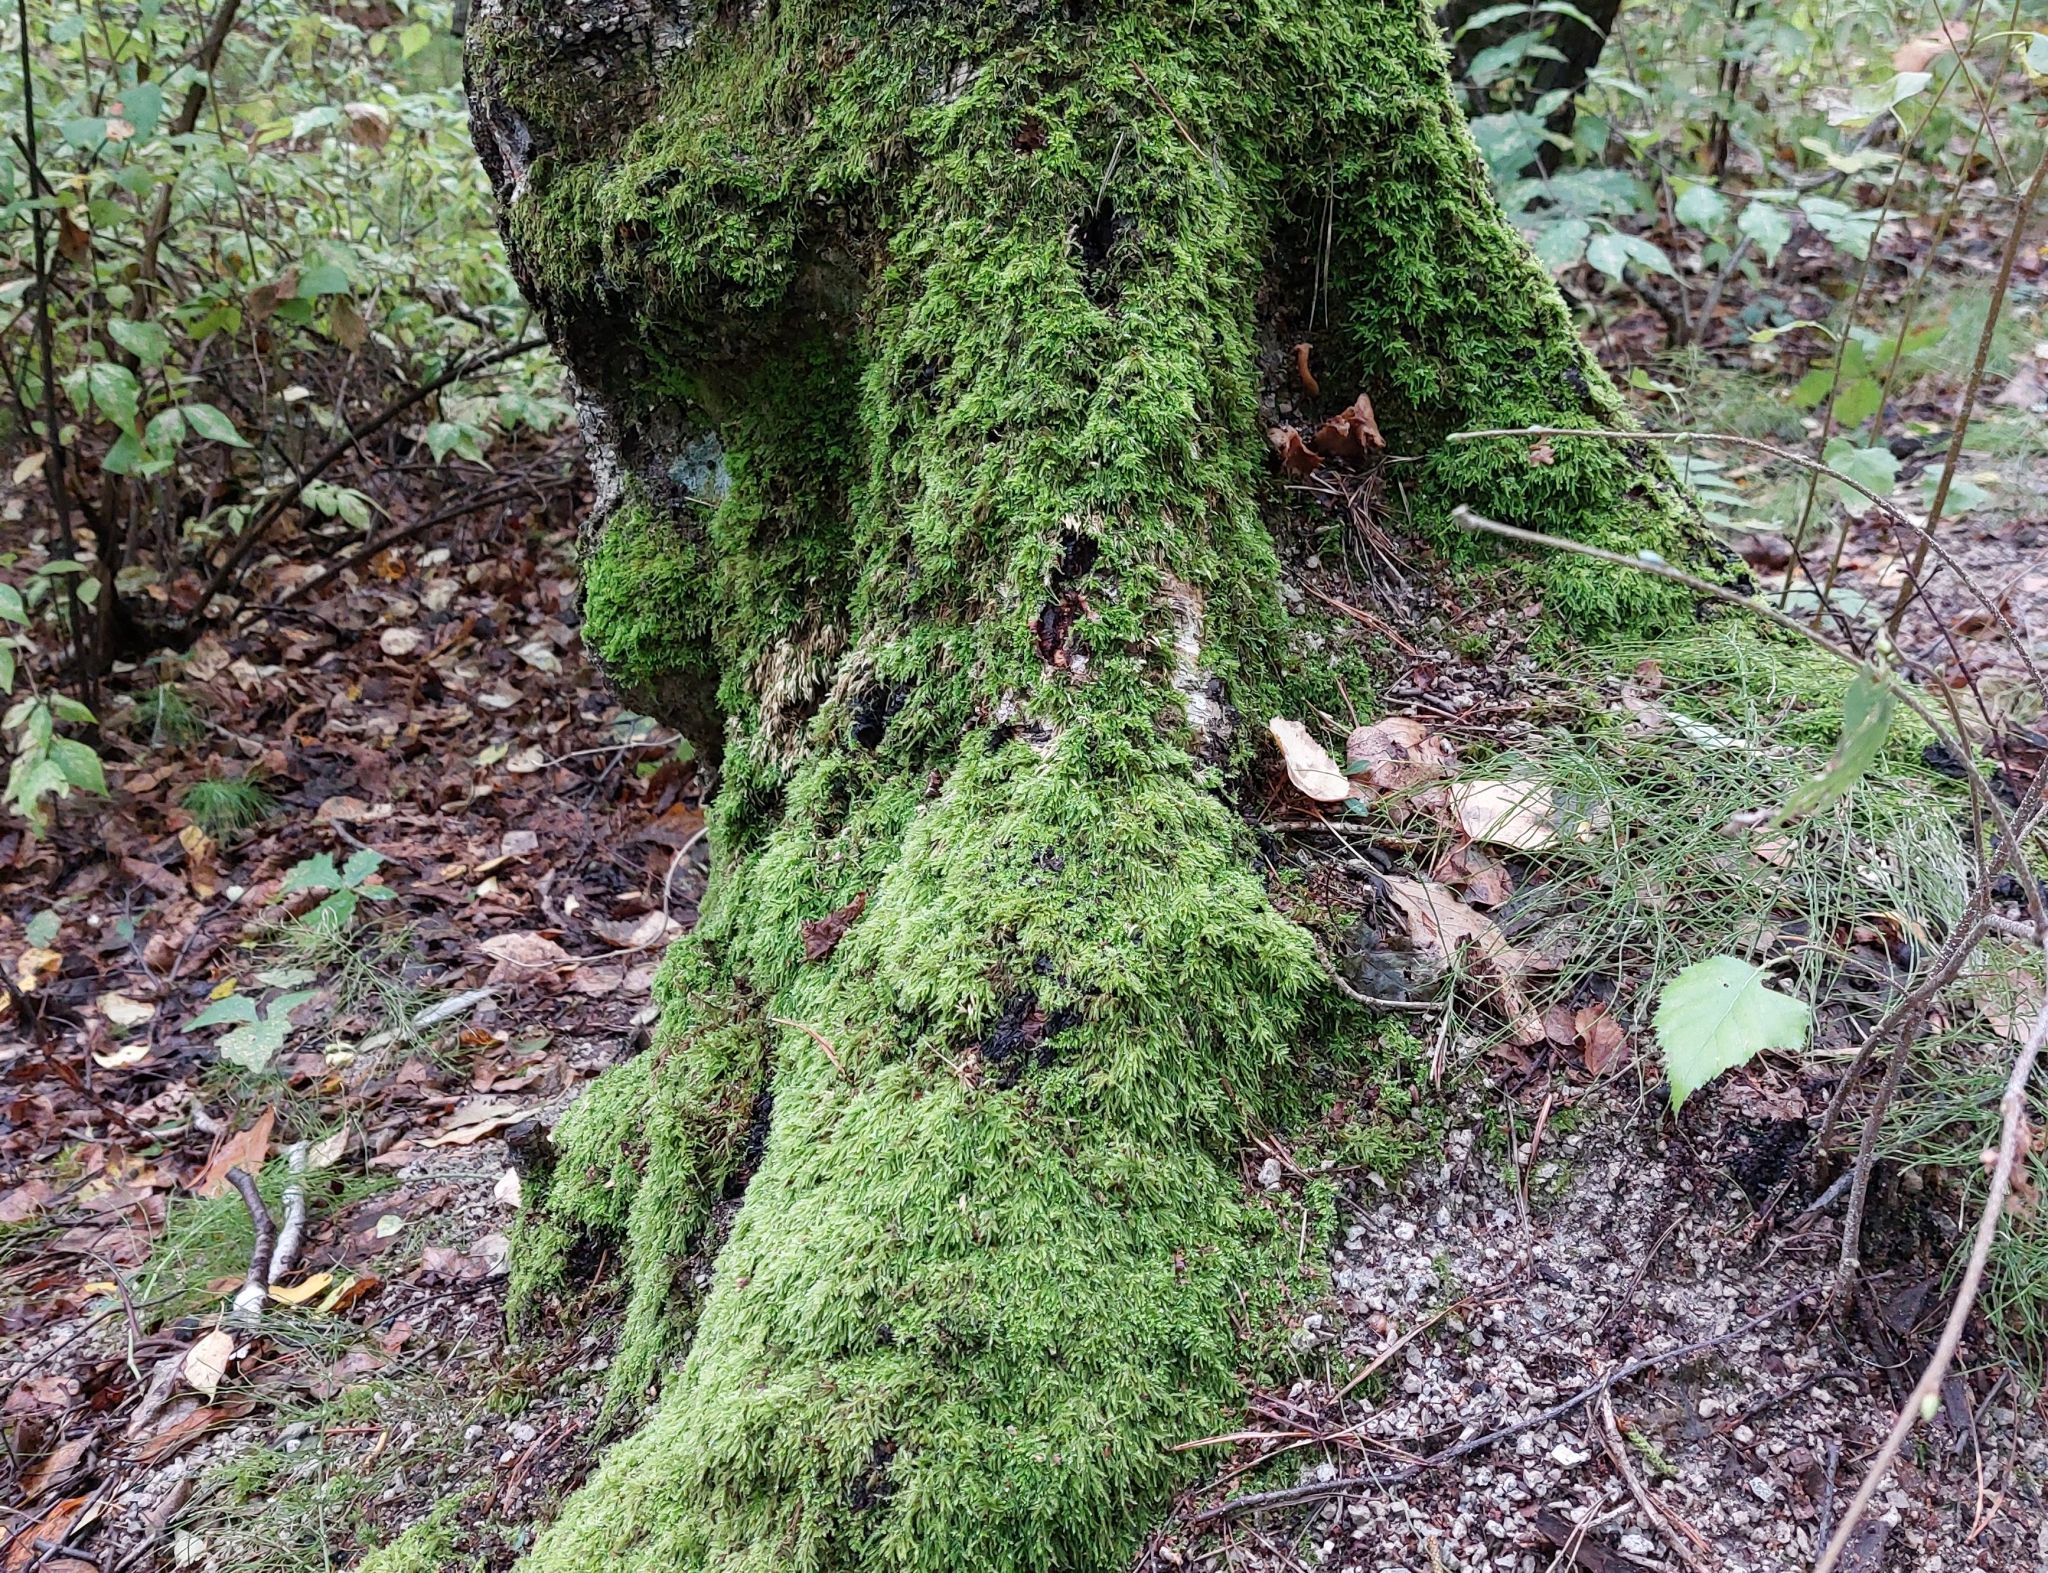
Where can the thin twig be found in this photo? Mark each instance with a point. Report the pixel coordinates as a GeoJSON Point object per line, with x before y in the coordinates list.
{"type": "Point", "coordinates": [1657, 568]}
{"type": "Point", "coordinates": [816, 1037]}
{"type": "Point", "coordinates": [1925, 1399]}
{"type": "Point", "coordinates": [1660, 1519]}
{"type": "Point", "coordinates": [259, 527]}
{"type": "Point", "coordinates": [399, 537]}
{"type": "Point", "coordinates": [246, 1310]}
{"type": "Point", "coordinates": [1315, 1490]}
{"type": "Point", "coordinates": [1993, 313]}
{"type": "Point", "coordinates": [292, 1235]}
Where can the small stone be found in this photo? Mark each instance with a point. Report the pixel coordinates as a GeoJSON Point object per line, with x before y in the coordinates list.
{"type": "Point", "coordinates": [522, 1432]}
{"type": "Point", "coordinates": [1269, 1175]}
{"type": "Point", "coordinates": [1634, 1545]}
{"type": "Point", "coordinates": [1568, 1456]}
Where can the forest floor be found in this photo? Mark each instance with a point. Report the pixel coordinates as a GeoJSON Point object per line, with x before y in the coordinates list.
{"type": "Point", "coordinates": [440, 917]}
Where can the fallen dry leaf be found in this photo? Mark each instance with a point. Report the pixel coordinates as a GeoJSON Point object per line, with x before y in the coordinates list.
{"type": "Point", "coordinates": [1542, 455]}
{"type": "Point", "coordinates": [33, 965]}
{"type": "Point", "coordinates": [523, 956]}
{"type": "Point", "coordinates": [28, 1548]}
{"type": "Point", "coordinates": [300, 1293]}
{"type": "Point", "coordinates": [1600, 1037]}
{"type": "Point", "coordinates": [1351, 433]}
{"type": "Point", "coordinates": [55, 1467]}
{"type": "Point", "coordinates": [1309, 766]}
{"type": "Point", "coordinates": [1296, 457]}
{"type": "Point", "coordinates": [400, 641]}
{"type": "Point", "coordinates": [1397, 753]}
{"type": "Point", "coordinates": [475, 1121]}
{"type": "Point", "coordinates": [244, 1151]}
{"type": "Point", "coordinates": [1517, 814]}
{"type": "Point", "coordinates": [1918, 54]}
{"type": "Point", "coordinates": [821, 936]}
{"type": "Point", "coordinates": [207, 1361]}
{"type": "Point", "coordinates": [1436, 920]}
{"type": "Point", "coordinates": [186, 1429]}
{"type": "Point", "coordinates": [1483, 881]}
{"type": "Point", "coordinates": [639, 933]}
{"type": "Point", "coordinates": [123, 1011]}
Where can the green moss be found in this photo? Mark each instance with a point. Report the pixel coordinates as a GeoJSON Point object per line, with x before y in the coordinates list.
{"type": "Point", "coordinates": [643, 598]}
{"type": "Point", "coordinates": [975, 301]}
{"type": "Point", "coordinates": [427, 1547]}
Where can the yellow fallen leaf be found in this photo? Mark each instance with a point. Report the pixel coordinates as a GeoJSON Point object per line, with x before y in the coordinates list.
{"type": "Point", "coordinates": [98, 1287]}
{"type": "Point", "coordinates": [300, 1293]}
{"type": "Point", "coordinates": [120, 1059]}
{"type": "Point", "coordinates": [34, 965]}
{"type": "Point", "coordinates": [123, 1011]}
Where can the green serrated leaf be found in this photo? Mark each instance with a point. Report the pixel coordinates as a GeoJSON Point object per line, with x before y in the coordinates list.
{"type": "Point", "coordinates": [1876, 468]}
{"type": "Point", "coordinates": [361, 864]}
{"type": "Point", "coordinates": [1768, 226]}
{"type": "Point", "coordinates": [255, 1044]}
{"type": "Point", "coordinates": [1721, 1013]}
{"type": "Point", "coordinates": [81, 766]}
{"type": "Point", "coordinates": [1702, 207]}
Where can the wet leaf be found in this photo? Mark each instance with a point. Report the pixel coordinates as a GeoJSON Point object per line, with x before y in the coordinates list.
{"type": "Point", "coordinates": [1296, 457]}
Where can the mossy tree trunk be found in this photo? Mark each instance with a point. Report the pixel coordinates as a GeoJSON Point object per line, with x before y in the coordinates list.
{"type": "Point", "coordinates": [926, 351]}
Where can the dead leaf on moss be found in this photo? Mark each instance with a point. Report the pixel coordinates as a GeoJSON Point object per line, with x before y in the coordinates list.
{"type": "Point", "coordinates": [821, 936]}
{"type": "Point", "coordinates": [1309, 766]}
{"type": "Point", "coordinates": [1351, 433]}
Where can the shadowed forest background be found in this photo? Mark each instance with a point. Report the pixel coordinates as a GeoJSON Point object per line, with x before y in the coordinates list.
{"type": "Point", "coordinates": [338, 853]}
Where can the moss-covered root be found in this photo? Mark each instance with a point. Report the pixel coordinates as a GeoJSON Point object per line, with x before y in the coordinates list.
{"type": "Point", "coordinates": [973, 295]}
{"type": "Point", "coordinates": [990, 1267]}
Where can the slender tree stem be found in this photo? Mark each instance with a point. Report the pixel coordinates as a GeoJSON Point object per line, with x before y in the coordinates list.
{"type": "Point", "coordinates": [1969, 400]}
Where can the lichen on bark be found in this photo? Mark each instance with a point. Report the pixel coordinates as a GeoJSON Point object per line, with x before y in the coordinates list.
{"type": "Point", "coordinates": [924, 346]}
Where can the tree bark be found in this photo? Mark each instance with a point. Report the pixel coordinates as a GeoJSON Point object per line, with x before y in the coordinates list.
{"type": "Point", "coordinates": [926, 352]}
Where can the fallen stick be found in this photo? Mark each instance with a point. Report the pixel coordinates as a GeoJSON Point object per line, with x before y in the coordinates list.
{"type": "Point", "coordinates": [1661, 1519]}
{"type": "Point", "coordinates": [246, 1310]}
{"type": "Point", "coordinates": [1924, 1402]}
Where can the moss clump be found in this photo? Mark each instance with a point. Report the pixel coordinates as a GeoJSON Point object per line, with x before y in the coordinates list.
{"type": "Point", "coordinates": [427, 1547]}
{"type": "Point", "coordinates": [974, 298]}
